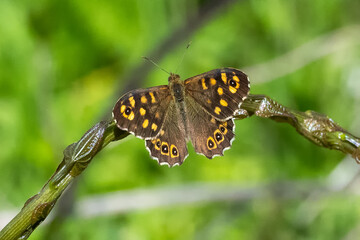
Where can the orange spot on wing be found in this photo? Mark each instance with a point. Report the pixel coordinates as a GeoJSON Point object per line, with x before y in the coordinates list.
{"type": "Point", "coordinates": [131, 116]}
{"type": "Point", "coordinates": [232, 89]}
{"type": "Point", "coordinates": [142, 111]}
{"type": "Point", "coordinates": [122, 108]}
{"type": "Point", "coordinates": [143, 99]}
{"type": "Point", "coordinates": [145, 123]}
{"type": "Point", "coordinates": [153, 100]}
{"type": "Point", "coordinates": [217, 110]}
{"type": "Point", "coordinates": [203, 84]}
{"type": "Point", "coordinates": [223, 77]}
{"type": "Point", "coordinates": [223, 102]}
{"type": "Point", "coordinates": [132, 101]}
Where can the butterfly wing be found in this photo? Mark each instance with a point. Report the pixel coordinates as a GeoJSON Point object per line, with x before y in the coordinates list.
{"type": "Point", "coordinates": [145, 113]}
{"type": "Point", "coordinates": [209, 136]}
{"type": "Point", "coordinates": [142, 111]}
{"type": "Point", "coordinates": [212, 99]}
{"type": "Point", "coordinates": [169, 146]}
{"type": "Point", "coordinates": [220, 92]}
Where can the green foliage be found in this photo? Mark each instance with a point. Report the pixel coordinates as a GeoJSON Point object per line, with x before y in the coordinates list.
{"type": "Point", "coordinates": [61, 61]}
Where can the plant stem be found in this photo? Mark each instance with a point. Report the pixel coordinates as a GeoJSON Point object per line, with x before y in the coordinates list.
{"type": "Point", "coordinates": [316, 127]}
{"type": "Point", "coordinates": [76, 158]}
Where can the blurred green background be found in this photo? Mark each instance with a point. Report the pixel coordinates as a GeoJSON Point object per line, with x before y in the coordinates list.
{"type": "Point", "coordinates": [63, 65]}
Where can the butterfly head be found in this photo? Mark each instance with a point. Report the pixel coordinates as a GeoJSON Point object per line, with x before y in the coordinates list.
{"type": "Point", "coordinates": [173, 78]}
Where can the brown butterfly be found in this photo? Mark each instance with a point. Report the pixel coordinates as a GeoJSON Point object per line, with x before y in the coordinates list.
{"type": "Point", "coordinates": [199, 109]}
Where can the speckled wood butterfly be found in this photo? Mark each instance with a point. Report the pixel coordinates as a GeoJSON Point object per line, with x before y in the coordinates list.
{"type": "Point", "coordinates": [199, 109]}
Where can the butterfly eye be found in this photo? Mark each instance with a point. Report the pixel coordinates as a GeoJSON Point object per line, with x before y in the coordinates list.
{"type": "Point", "coordinates": [128, 113]}
{"type": "Point", "coordinates": [232, 83]}
{"type": "Point", "coordinates": [157, 143]}
{"type": "Point", "coordinates": [165, 148]}
{"type": "Point", "coordinates": [174, 151]}
{"type": "Point", "coordinates": [218, 136]}
{"type": "Point", "coordinates": [127, 110]}
{"type": "Point", "coordinates": [210, 143]}
{"type": "Point", "coordinates": [222, 129]}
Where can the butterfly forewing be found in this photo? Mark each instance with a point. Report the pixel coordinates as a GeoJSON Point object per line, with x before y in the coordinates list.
{"type": "Point", "coordinates": [142, 111]}
{"type": "Point", "coordinates": [220, 92]}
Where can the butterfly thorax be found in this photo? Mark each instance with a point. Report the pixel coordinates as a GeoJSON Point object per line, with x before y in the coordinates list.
{"type": "Point", "coordinates": [177, 87]}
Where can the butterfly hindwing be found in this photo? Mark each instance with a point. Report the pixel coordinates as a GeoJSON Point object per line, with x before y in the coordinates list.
{"type": "Point", "coordinates": [142, 111]}
{"type": "Point", "coordinates": [169, 146]}
{"type": "Point", "coordinates": [220, 92]}
{"type": "Point", "coordinates": [209, 136]}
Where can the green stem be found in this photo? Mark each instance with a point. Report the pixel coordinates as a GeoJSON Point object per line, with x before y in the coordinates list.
{"type": "Point", "coordinates": [316, 127]}
{"type": "Point", "coordinates": [76, 158]}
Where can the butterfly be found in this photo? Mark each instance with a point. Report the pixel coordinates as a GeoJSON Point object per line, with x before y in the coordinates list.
{"type": "Point", "coordinates": [199, 109]}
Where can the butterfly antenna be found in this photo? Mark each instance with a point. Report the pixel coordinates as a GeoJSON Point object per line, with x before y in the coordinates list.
{"type": "Point", "coordinates": [146, 58]}
{"type": "Point", "coordinates": [182, 58]}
